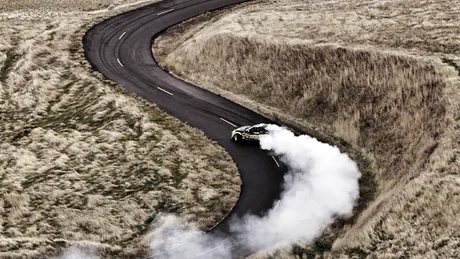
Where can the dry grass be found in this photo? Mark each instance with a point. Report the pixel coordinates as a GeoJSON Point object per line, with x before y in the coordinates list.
{"type": "Point", "coordinates": [350, 71]}
{"type": "Point", "coordinates": [81, 161]}
{"type": "Point", "coordinates": [63, 5]}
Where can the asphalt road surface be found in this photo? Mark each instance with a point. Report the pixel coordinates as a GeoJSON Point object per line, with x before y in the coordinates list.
{"type": "Point", "coordinates": [120, 48]}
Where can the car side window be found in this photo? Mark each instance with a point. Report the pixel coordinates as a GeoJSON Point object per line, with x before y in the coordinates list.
{"type": "Point", "coordinates": [257, 130]}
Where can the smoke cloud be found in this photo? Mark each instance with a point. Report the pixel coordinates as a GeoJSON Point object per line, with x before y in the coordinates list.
{"type": "Point", "coordinates": [322, 183]}
{"type": "Point", "coordinates": [75, 252]}
{"type": "Point", "coordinates": [174, 238]}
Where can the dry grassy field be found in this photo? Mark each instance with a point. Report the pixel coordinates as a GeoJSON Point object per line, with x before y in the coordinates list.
{"type": "Point", "coordinates": [381, 76]}
{"type": "Point", "coordinates": [81, 161]}
{"type": "Point", "coordinates": [63, 6]}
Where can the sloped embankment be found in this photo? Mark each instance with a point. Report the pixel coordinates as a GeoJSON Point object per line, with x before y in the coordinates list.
{"type": "Point", "coordinates": [396, 110]}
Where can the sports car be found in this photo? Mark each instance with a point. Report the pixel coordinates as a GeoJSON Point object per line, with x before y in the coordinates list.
{"type": "Point", "coordinates": [249, 133]}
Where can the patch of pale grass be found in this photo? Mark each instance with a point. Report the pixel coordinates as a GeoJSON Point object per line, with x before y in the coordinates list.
{"type": "Point", "coordinates": [322, 85]}
{"type": "Point", "coordinates": [62, 5]}
{"type": "Point", "coordinates": [82, 162]}
{"type": "Point", "coordinates": [380, 76]}
{"type": "Point", "coordinates": [415, 26]}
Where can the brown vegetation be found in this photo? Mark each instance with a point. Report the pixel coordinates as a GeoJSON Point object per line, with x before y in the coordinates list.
{"type": "Point", "coordinates": [81, 161]}
{"type": "Point", "coordinates": [326, 67]}
{"type": "Point", "coordinates": [64, 5]}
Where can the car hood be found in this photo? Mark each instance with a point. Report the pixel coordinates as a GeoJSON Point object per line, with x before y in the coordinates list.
{"type": "Point", "coordinates": [241, 129]}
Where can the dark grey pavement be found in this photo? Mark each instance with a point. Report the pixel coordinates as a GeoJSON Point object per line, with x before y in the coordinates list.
{"type": "Point", "coordinates": [120, 48]}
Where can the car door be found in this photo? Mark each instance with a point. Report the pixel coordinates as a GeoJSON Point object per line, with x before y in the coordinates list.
{"type": "Point", "coordinates": [256, 132]}
{"type": "Point", "coordinates": [249, 134]}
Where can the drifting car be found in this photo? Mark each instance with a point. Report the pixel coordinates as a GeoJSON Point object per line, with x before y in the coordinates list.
{"type": "Point", "coordinates": [249, 133]}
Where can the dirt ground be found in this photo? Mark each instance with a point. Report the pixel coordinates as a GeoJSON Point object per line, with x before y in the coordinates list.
{"type": "Point", "coordinates": [382, 77]}
{"type": "Point", "coordinates": [81, 161]}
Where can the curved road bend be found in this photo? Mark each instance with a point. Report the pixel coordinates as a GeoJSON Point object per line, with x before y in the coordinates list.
{"type": "Point", "coordinates": [120, 48]}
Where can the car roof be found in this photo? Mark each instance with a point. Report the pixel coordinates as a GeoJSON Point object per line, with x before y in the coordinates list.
{"type": "Point", "coordinates": [260, 125]}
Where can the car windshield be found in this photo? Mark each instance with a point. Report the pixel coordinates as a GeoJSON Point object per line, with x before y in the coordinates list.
{"type": "Point", "coordinates": [257, 129]}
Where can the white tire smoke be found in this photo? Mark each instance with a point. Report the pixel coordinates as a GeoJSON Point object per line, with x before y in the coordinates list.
{"type": "Point", "coordinates": [321, 184]}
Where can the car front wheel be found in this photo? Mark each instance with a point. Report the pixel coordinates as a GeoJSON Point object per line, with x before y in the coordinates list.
{"type": "Point", "coordinates": [237, 137]}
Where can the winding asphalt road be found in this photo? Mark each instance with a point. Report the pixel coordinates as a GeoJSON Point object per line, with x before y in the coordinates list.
{"type": "Point", "coordinates": [120, 48]}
